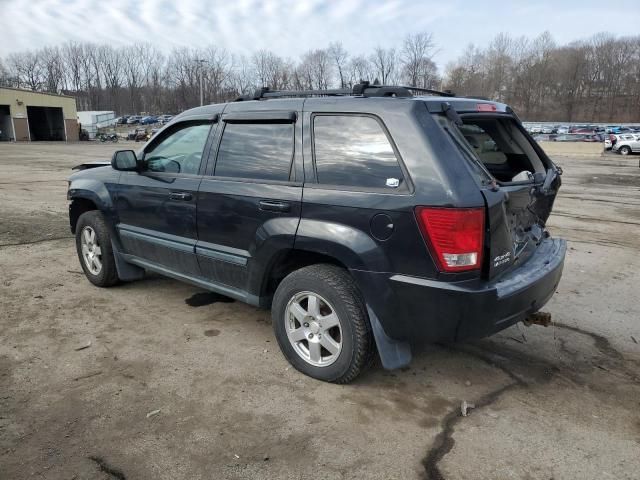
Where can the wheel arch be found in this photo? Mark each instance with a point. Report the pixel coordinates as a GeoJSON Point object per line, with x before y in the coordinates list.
{"type": "Point", "coordinates": [77, 207]}
{"type": "Point", "coordinates": [286, 261]}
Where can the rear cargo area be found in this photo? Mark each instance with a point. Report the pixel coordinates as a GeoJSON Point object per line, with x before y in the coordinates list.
{"type": "Point", "coordinates": [518, 181]}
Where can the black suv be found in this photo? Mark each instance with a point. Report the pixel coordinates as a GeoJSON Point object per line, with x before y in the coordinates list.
{"type": "Point", "coordinates": [369, 219]}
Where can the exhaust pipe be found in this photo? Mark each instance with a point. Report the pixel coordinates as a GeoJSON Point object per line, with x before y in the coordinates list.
{"type": "Point", "coordinates": [538, 318]}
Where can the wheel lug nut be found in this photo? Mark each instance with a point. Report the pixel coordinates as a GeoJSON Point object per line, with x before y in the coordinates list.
{"type": "Point", "coordinates": [306, 324]}
{"type": "Point", "coordinates": [310, 336]}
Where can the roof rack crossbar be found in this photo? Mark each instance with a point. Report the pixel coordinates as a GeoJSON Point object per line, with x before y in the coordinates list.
{"type": "Point", "coordinates": [363, 88]}
{"type": "Point", "coordinates": [445, 93]}
{"type": "Point", "coordinates": [306, 93]}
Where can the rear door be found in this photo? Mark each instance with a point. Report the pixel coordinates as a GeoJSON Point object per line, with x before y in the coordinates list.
{"type": "Point", "coordinates": [249, 200]}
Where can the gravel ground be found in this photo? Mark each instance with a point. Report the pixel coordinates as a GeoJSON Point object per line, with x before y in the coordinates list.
{"type": "Point", "coordinates": [176, 383]}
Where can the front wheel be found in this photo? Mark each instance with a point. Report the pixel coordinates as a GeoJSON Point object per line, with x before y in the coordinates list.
{"type": "Point", "coordinates": [624, 150]}
{"type": "Point", "coordinates": [93, 244]}
{"type": "Point", "coordinates": [321, 324]}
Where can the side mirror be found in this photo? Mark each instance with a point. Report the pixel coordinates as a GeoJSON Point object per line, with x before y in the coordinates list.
{"type": "Point", "coordinates": [124, 160]}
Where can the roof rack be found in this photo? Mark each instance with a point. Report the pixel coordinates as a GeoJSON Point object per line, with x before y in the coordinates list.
{"type": "Point", "coordinates": [363, 89]}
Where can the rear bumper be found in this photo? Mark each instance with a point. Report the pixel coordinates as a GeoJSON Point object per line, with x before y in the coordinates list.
{"type": "Point", "coordinates": [419, 310]}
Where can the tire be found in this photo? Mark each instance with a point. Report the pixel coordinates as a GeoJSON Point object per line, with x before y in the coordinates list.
{"type": "Point", "coordinates": [92, 232]}
{"type": "Point", "coordinates": [624, 150]}
{"type": "Point", "coordinates": [336, 294]}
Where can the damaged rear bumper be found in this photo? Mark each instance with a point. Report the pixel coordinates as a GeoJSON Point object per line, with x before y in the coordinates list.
{"type": "Point", "coordinates": [419, 310]}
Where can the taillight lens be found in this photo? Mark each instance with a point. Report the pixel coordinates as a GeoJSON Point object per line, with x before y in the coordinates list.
{"type": "Point", "coordinates": [455, 236]}
{"type": "Point", "coordinates": [486, 107]}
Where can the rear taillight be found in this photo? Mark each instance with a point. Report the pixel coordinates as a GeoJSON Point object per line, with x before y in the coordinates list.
{"type": "Point", "coordinates": [455, 236]}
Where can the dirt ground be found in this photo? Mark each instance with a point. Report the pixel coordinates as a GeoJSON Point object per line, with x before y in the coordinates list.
{"type": "Point", "coordinates": [179, 384]}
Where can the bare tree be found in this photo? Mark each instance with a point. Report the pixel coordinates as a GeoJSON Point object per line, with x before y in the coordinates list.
{"type": "Point", "coordinates": [28, 69]}
{"type": "Point", "coordinates": [317, 69]}
{"type": "Point", "coordinates": [339, 57]}
{"type": "Point", "coordinates": [384, 64]}
{"type": "Point", "coordinates": [359, 69]}
{"type": "Point", "coordinates": [416, 56]}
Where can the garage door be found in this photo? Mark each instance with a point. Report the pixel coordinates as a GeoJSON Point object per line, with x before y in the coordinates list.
{"type": "Point", "coordinates": [6, 126]}
{"type": "Point", "coordinates": [46, 123]}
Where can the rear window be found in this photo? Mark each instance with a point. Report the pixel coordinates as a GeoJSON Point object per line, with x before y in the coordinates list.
{"type": "Point", "coordinates": [483, 144]}
{"type": "Point", "coordinates": [354, 150]}
{"type": "Point", "coordinates": [260, 151]}
{"type": "Point", "coordinates": [497, 144]}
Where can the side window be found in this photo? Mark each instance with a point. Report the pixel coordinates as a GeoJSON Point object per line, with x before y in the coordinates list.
{"type": "Point", "coordinates": [259, 151]}
{"type": "Point", "coordinates": [180, 151]}
{"type": "Point", "coordinates": [352, 150]}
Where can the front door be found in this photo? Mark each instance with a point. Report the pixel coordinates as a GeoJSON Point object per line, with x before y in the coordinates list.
{"type": "Point", "coordinates": [157, 205]}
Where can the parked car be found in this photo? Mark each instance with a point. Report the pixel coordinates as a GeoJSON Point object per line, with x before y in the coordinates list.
{"type": "Point", "coordinates": [549, 129]}
{"type": "Point", "coordinates": [535, 129]}
{"type": "Point", "coordinates": [596, 137]}
{"type": "Point", "coordinates": [563, 130]}
{"type": "Point", "coordinates": [543, 137]}
{"type": "Point", "coordinates": [627, 143]}
{"type": "Point", "coordinates": [148, 120]}
{"type": "Point", "coordinates": [122, 120]}
{"type": "Point", "coordinates": [399, 219]}
{"type": "Point", "coordinates": [567, 138]}
{"type": "Point", "coordinates": [583, 131]}
{"type": "Point", "coordinates": [134, 119]}
{"type": "Point", "coordinates": [163, 119]}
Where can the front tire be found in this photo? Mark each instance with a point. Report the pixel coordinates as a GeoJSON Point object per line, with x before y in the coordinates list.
{"type": "Point", "coordinates": [321, 324]}
{"type": "Point", "coordinates": [93, 244]}
{"type": "Point", "coordinates": [624, 150]}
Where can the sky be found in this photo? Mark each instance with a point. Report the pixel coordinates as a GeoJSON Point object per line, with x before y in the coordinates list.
{"type": "Point", "coordinates": [290, 28]}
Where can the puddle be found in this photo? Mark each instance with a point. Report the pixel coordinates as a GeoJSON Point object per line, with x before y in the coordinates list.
{"type": "Point", "coordinates": [206, 298]}
{"type": "Point", "coordinates": [211, 333]}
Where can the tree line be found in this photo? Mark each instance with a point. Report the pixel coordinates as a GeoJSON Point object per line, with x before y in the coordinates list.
{"type": "Point", "coordinates": [591, 80]}
{"type": "Point", "coordinates": [596, 79]}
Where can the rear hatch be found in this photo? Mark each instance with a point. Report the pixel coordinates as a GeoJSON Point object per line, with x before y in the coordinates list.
{"type": "Point", "coordinates": [518, 181]}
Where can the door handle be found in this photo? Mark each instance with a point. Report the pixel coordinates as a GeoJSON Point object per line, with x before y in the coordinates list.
{"type": "Point", "coordinates": [180, 196]}
{"type": "Point", "coordinates": [275, 206]}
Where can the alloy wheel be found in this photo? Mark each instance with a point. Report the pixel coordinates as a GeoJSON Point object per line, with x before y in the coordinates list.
{"type": "Point", "coordinates": [313, 329]}
{"type": "Point", "coordinates": [91, 251]}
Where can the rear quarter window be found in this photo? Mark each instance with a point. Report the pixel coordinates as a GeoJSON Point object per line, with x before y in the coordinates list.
{"type": "Point", "coordinates": [355, 151]}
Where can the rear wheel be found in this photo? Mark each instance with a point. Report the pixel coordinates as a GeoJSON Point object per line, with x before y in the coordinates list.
{"type": "Point", "coordinates": [93, 244]}
{"type": "Point", "coordinates": [321, 324]}
{"type": "Point", "coordinates": [624, 150]}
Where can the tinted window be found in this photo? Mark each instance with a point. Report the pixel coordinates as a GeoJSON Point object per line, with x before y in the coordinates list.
{"type": "Point", "coordinates": [260, 151]}
{"type": "Point", "coordinates": [354, 151]}
{"type": "Point", "coordinates": [180, 151]}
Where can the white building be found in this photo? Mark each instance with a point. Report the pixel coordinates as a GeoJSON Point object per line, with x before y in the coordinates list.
{"type": "Point", "coordinates": [92, 120]}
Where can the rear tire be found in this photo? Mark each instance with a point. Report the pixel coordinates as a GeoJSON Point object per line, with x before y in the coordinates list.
{"type": "Point", "coordinates": [93, 244]}
{"type": "Point", "coordinates": [328, 338]}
